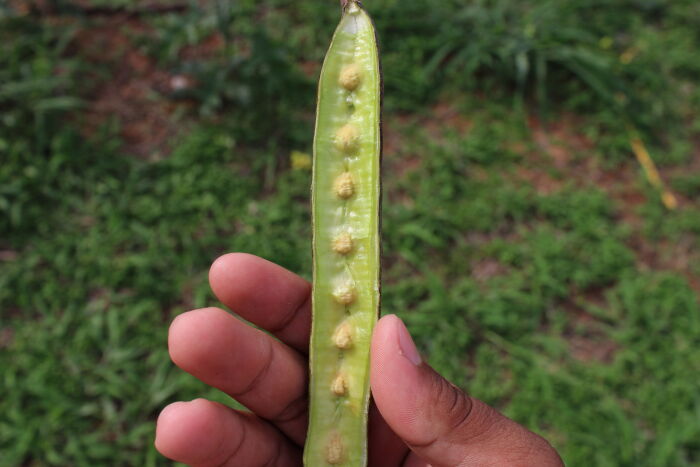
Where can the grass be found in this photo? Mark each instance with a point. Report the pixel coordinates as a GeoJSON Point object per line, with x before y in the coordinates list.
{"type": "Point", "coordinates": [522, 244]}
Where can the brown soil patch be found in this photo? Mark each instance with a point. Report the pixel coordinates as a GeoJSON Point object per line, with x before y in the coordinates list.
{"type": "Point", "coordinates": [486, 269]}
{"type": "Point", "coordinates": [398, 158]}
{"type": "Point", "coordinates": [207, 49]}
{"type": "Point", "coordinates": [569, 154]}
{"type": "Point", "coordinates": [126, 86]}
{"type": "Point", "coordinates": [588, 341]}
{"type": "Point", "coordinates": [131, 96]}
{"type": "Point", "coordinates": [562, 156]}
{"type": "Point", "coordinates": [8, 255]}
{"type": "Point", "coordinates": [445, 116]}
{"type": "Point", "coordinates": [542, 181]}
{"type": "Point", "coordinates": [592, 348]}
{"type": "Point", "coordinates": [561, 148]}
{"type": "Point", "coordinates": [7, 336]}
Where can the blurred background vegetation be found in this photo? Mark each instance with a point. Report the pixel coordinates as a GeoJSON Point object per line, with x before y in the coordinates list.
{"type": "Point", "coordinates": [523, 244]}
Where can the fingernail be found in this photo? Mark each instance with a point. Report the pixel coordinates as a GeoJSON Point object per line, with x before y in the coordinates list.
{"type": "Point", "coordinates": [406, 345]}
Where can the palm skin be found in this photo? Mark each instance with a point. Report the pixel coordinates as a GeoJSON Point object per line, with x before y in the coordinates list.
{"type": "Point", "coordinates": [417, 418]}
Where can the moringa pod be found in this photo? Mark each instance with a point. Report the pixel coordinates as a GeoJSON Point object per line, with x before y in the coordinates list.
{"type": "Point", "coordinates": [346, 197]}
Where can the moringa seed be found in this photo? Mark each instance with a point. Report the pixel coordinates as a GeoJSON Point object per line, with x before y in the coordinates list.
{"type": "Point", "coordinates": [344, 186]}
{"type": "Point", "coordinates": [339, 386]}
{"type": "Point", "coordinates": [345, 294]}
{"type": "Point", "coordinates": [342, 338]}
{"type": "Point", "coordinates": [342, 243]}
{"type": "Point", "coordinates": [350, 77]}
{"type": "Point", "coordinates": [334, 450]}
{"type": "Point", "coordinates": [347, 138]}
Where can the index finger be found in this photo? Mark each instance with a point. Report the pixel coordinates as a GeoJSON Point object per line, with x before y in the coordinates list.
{"type": "Point", "coordinates": [265, 294]}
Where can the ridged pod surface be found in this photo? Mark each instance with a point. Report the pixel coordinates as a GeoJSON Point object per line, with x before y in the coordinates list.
{"type": "Point", "coordinates": [345, 210]}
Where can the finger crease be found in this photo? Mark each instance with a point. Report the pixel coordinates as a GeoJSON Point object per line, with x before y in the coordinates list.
{"type": "Point", "coordinates": [234, 453]}
{"type": "Point", "coordinates": [259, 376]}
{"type": "Point", "coordinates": [424, 445]}
{"type": "Point", "coordinates": [274, 460]}
{"type": "Point", "coordinates": [455, 400]}
{"type": "Point", "coordinates": [291, 411]}
{"type": "Point", "coordinates": [290, 317]}
{"type": "Point", "coordinates": [466, 413]}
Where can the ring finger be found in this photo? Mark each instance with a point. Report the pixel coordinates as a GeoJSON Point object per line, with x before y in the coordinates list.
{"type": "Point", "coordinates": [258, 371]}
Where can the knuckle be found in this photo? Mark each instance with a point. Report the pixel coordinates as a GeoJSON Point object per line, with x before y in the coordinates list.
{"type": "Point", "coordinates": [454, 405]}
{"type": "Point", "coordinates": [295, 409]}
{"type": "Point", "coordinates": [450, 414]}
{"type": "Point", "coordinates": [259, 377]}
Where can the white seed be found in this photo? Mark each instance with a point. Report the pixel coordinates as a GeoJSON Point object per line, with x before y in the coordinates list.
{"type": "Point", "coordinates": [342, 337]}
{"type": "Point", "coordinates": [344, 186]}
{"type": "Point", "coordinates": [347, 138]}
{"type": "Point", "coordinates": [334, 449]}
{"type": "Point", "coordinates": [342, 243]}
{"type": "Point", "coordinates": [345, 294]}
{"type": "Point", "coordinates": [350, 77]}
{"type": "Point", "coordinates": [339, 386]}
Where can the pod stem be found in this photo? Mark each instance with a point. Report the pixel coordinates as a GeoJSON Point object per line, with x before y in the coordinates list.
{"type": "Point", "coordinates": [344, 3]}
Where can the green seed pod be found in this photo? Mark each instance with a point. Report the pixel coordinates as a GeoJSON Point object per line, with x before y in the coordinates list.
{"type": "Point", "coordinates": [345, 205]}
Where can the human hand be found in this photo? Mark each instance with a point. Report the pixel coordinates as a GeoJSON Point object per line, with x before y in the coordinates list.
{"type": "Point", "coordinates": [417, 418]}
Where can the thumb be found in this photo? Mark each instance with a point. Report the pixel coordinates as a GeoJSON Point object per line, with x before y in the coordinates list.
{"type": "Point", "coordinates": [440, 423]}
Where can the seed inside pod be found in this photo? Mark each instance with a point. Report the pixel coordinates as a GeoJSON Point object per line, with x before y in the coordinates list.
{"type": "Point", "coordinates": [342, 243]}
{"type": "Point", "coordinates": [339, 386]}
{"type": "Point", "coordinates": [344, 186]}
{"type": "Point", "coordinates": [350, 77]}
{"type": "Point", "coordinates": [342, 337]}
{"type": "Point", "coordinates": [334, 450]}
{"type": "Point", "coordinates": [345, 294]}
{"type": "Point", "coordinates": [347, 138]}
